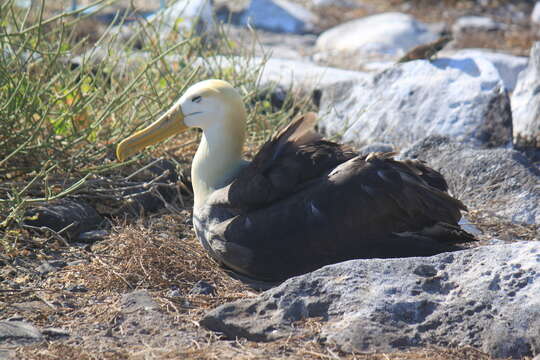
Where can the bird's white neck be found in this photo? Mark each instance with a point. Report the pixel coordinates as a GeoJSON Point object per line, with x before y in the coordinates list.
{"type": "Point", "coordinates": [217, 161]}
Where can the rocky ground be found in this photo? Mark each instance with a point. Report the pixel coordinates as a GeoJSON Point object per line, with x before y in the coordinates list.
{"type": "Point", "coordinates": [138, 284]}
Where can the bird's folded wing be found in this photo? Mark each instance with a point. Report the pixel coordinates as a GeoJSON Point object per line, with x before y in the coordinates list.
{"type": "Point", "coordinates": [291, 159]}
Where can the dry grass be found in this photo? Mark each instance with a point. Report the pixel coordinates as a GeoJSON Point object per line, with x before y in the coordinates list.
{"type": "Point", "coordinates": [330, 16]}
{"type": "Point", "coordinates": [496, 227]}
{"type": "Point", "coordinates": [304, 348]}
{"type": "Point", "coordinates": [155, 253]}
{"type": "Point", "coordinates": [242, 350]}
{"type": "Point", "coordinates": [517, 42]}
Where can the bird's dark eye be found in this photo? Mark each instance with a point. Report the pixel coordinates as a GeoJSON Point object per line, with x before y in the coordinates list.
{"type": "Point", "coordinates": [197, 99]}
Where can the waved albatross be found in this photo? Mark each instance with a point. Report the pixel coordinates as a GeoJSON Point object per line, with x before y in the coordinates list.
{"type": "Point", "coordinates": [302, 202]}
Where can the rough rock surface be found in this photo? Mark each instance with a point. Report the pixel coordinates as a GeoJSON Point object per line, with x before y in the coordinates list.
{"type": "Point", "coordinates": [463, 98]}
{"type": "Point", "coordinates": [526, 103]}
{"type": "Point", "coordinates": [508, 66]}
{"type": "Point", "coordinates": [383, 36]}
{"type": "Point", "coordinates": [484, 297]}
{"type": "Point", "coordinates": [279, 16]}
{"type": "Point", "coordinates": [501, 181]}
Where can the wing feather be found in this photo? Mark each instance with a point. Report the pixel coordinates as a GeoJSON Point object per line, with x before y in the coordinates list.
{"type": "Point", "coordinates": [293, 157]}
{"type": "Point", "coordinates": [361, 208]}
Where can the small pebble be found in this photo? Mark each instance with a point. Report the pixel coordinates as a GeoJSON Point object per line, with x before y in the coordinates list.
{"type": "Point", "coordinates": [174, 293]}
{"type": "Point", "coordinates": [77, 288]}
{"type": "Point", "coordinates": [50, 266]}
{"type": "Point", "coordinates": [92, 236]}
{"type": "Point", "coordinates": [202, 288]}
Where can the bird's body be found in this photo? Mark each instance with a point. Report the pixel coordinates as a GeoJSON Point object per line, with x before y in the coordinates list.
{"type": "Point", "coordinates": [304, 202]}
{"type": "Point", "coordinates": [426, 51]}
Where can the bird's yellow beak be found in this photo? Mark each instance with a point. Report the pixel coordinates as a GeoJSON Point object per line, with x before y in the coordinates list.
{"type": "Point", "coordinates": [171, 123]}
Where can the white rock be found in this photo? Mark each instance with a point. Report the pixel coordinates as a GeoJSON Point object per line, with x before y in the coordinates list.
{"type": "Point", "coordinates": [279, 16]}
{"type": "Point", "coordinates": [526, 102]}
{"type": "Point", "coordinates": [305, 76]}
{"type": "Point", "coordinates": [376, 66]}
{"type": "Point", "coordinates": [379, 37]}
{"type": "Point", "coordinates": [476, 23]}
{"type": "Point", "coordinates": [508, 66]}
{"type": "Point", "coordinates": [535, 15]}
{"type": "Point", "coordinates": [462, 98]}
{"type": "Point", "coordinates": [298, 76]}
{"type": "Point", "coordinates": [185, 15]}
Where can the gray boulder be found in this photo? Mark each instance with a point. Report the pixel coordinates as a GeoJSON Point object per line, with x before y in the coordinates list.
{"type": "Point", "coordinates": [384, 36]}
{"type": "Point", "coordinates": [526, 103]}
{"type": "Point", "coordinates": [485, 297]}
{"type": "Point", "coordinates": [279, 16]}
{"type": "Point", "coordinates": [463, 98]}
{"type": "Point", "coordinates": [501, 182]}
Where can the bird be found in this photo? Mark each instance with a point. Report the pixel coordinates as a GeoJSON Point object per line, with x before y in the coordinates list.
{"type": "Point", "coordinates": [426, 51]}
{"type": "Point", "coordinates": [302, 202]}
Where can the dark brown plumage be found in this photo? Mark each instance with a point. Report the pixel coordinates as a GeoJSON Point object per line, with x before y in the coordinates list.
{"type": "Point", "coordinates": [304, 202]}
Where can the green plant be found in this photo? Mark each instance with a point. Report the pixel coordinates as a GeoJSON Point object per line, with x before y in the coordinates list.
{"type": "Point", "coordinates": [65, 100]}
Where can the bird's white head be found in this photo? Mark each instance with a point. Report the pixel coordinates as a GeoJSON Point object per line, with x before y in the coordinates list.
{"type": "Point", "coordinates": [215, 107]}
{"type": "Point", "coordinates": [212, 105]}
